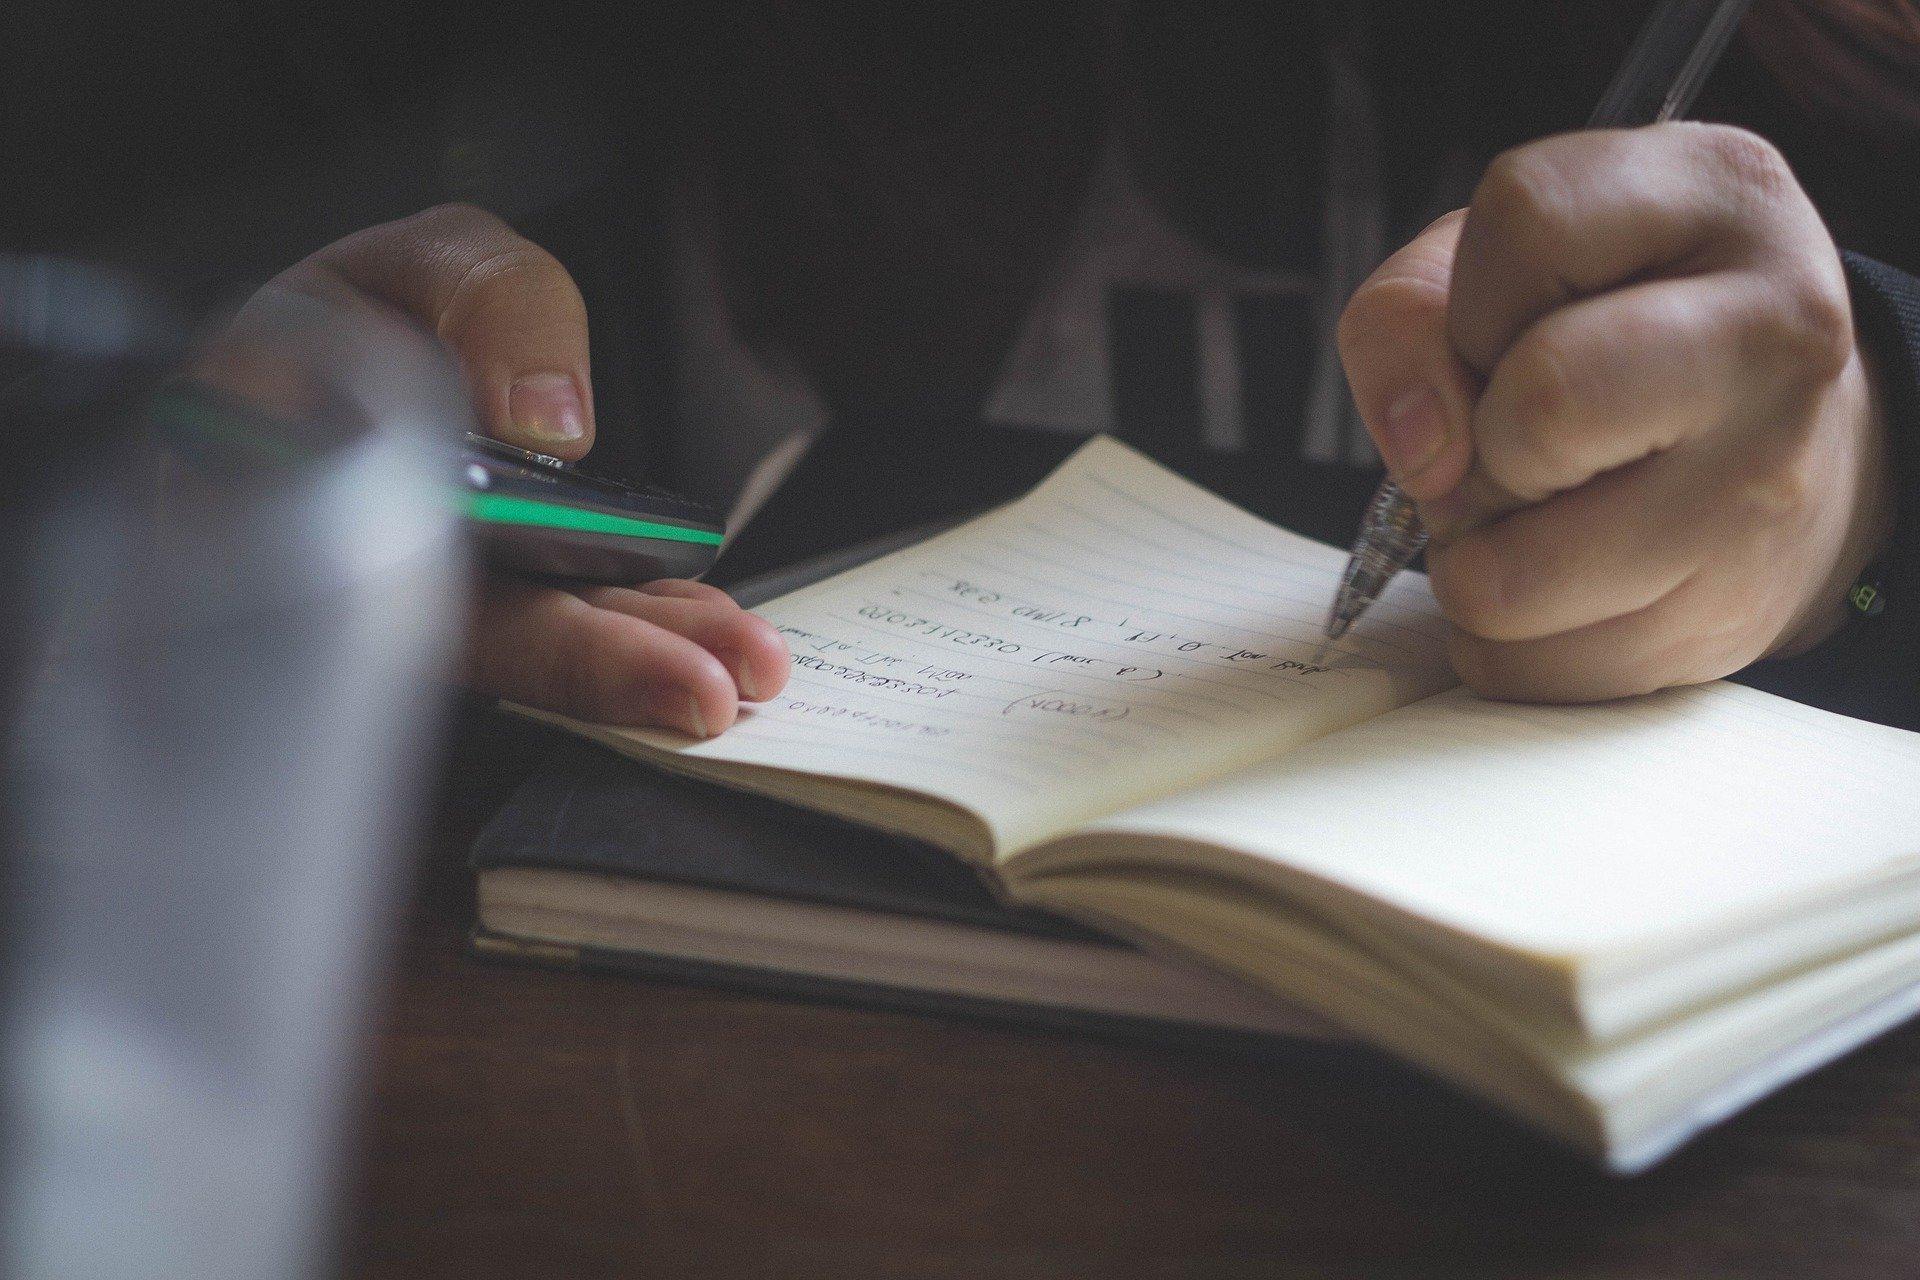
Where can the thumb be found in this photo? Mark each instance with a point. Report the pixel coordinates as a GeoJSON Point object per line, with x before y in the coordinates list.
{"type": "Point", "coordinates": [1414, 394]}
{"type": "Point", "coordinates": [506, 307]}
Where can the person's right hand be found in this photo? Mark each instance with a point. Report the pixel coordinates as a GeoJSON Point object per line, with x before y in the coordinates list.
{"type": "Point", "coordinates": [672, 653]}
{"type": "Point", "coordinates": [1625, 389]}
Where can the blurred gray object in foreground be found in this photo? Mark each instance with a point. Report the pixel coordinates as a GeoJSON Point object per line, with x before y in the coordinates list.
{"type": "Point", "coordinates": [250, 609]}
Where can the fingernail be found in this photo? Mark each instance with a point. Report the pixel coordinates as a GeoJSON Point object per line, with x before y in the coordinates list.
{"type": "Point", "coordinates": [1414, 429]}
{"type": "Point", "coordinates": [696, 723]}
{"type": "Point", "coordinates": [742, 676]}
{"type": "Point", "coordinates": [546, 406]}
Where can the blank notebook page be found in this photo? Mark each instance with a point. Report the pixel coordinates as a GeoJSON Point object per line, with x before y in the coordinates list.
{"type": "Point", "coordinates": [1117, 634]}
{"type": "Point", "coordinates": [1575, 832]}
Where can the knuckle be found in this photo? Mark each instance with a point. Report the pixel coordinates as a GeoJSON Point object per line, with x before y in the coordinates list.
{"type": "Point", "coordinates": [1545, 391]}
{"type": "Point", "coordinates": [1524, 199]}
{"type": "Point", "coordinates": [1771, 495]}
{"type": "Point", "coordinates": [522, 265]}
{"type": "Point", "coordinates": [505, 279]}
{"type": "Point", "coordinates": [482, 252]}
{"type": "Point", "coordinates": [1528, 441]}
{"type": "Point", "coordinates": [1747, 160]}
{"type": "Point", "coordinates": [1808, 331]}
{"type": "Point", "coordinates": [597, 597]}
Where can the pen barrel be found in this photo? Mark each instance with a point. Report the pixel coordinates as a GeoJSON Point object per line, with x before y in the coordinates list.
{"type": "Point", "coordinates": [1670, 59]}
{"type": "Point", "coordinates": [1391, 533]}
{"type": "Point", "coordinates": [1391, 536]}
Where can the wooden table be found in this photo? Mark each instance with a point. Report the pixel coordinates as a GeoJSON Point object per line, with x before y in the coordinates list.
{"type": "Point", "coordinates": [528, 1123]}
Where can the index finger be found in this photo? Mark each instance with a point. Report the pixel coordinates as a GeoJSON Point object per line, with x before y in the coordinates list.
{"type": "Point", "coordinates": [1411, 389]}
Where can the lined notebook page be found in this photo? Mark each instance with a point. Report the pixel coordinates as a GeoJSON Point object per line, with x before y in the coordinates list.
{"type": "Point", "coordinates": [1116, 635]}
{"type": "Point", "coordinates": [1584, 833]}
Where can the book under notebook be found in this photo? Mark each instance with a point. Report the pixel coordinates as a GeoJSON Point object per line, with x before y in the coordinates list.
{"type": "Point", "coordinates": [598, 862]}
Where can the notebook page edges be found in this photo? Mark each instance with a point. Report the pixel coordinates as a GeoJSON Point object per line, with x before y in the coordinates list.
{"type": "Point", "coordinates": [1628, 1102]}
{"type": "Point", "coordinates": [1117, 635]}
{"type": "Point", "coordinates": [1632, 850]}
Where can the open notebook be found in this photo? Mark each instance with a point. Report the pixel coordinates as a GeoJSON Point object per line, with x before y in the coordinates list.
{"type": "Point", "coordinates": [1622, 921]}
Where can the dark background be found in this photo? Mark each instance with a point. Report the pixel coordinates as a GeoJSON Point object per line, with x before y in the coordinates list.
{"type": "Point", "coordinates": [210, 146]}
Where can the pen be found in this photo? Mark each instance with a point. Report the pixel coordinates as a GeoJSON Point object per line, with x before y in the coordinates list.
{"type": "Point", "coordinates": [1663, 72]}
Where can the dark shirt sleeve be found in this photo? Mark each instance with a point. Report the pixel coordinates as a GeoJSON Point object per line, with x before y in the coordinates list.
{"type": "Point", "coordinates": [1871, 669]}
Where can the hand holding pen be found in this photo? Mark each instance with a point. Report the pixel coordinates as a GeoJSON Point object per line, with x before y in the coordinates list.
{"type": "Point", "coordinates": [1622, 387]}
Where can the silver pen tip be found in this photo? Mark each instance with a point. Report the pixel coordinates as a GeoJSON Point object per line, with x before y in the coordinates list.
{"type": "Point", "coordinates": [1337, 626]}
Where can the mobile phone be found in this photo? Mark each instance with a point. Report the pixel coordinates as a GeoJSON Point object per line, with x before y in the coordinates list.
{"type": "Point", "coordinates": [542, 517]}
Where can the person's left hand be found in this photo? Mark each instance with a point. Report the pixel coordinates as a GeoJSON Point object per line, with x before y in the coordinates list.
{"type": "Point", "coordinates": [1624, 390]}
{"type": "Point", "coordinates": [673, 653]}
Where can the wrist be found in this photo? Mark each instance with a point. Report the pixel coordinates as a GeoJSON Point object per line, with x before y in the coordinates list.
{"type": "Point", "coordinates": [1871, 519]}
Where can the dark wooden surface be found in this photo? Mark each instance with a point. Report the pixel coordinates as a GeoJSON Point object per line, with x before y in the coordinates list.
{"type": "Point", "coordinates": [526, 1123]}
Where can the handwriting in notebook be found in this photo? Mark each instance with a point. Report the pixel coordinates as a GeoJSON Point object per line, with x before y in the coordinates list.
{"type": "Point", "coordinates": [1127, 629]}
{"type": "Point", "coordinates": [1116, 625]}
